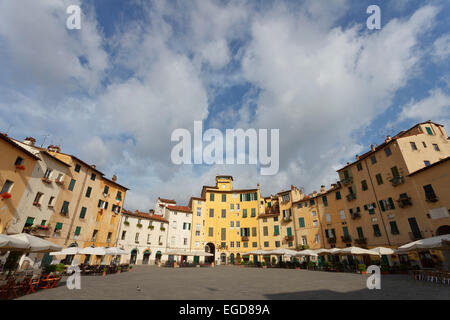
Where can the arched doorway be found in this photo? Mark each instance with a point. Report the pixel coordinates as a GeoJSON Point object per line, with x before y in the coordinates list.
{"type": "Point", "coordinates": [133, 257]}
{"type": "Point", "coordinates": [442, 230]}
{"type": "Point", "coordinates": [69, 258]}
{"type": "Point", "coordinates": [238, 258]}
{"type": "Point", "coordinates": [158, 257]}
{"type": "Point", "coordinates": [210, 248]}
{"type": "Point", "coordinates": [232, 258]}
{"type": "Point", "coordinates": [223, 258]}
{"type": "Point", "coordinates": [146, 257]}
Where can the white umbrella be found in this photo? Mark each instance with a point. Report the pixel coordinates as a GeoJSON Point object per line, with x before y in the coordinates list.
{"type": "Point", "coordinates": [115, 251]}
{"type": "Point", "coordinates": [356, 251]}
{"type": "Point", "coordinates": [96, 251]}
{"type": "Point", "coordinates": [8, 242]}
{"type": "Point", "coordinates": [383, 251]}
{"type": "Point", "coordinates": [282, 252]}
{"type": "Point", "coordinates": [256, 253]}
{"type": "Point", "coordinates": [306, 253]}
{"type": "Point", "coordinates": [321, 251]}
{"type": "Point", "coordinates": [36, 244]}
{"type": "Point", "coordinates": [188, 253]}
{"type": "Point", "coordinates": [67, 251]}
{"type": "Point", "coordinates": [428, 243]}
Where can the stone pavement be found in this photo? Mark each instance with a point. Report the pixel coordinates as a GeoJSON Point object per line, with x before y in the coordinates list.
{"type": "Point", "coordinates": [236, 283]}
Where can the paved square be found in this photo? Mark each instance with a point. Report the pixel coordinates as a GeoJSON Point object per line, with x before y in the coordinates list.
{"type": "Point", "coordinates": [236, 283]}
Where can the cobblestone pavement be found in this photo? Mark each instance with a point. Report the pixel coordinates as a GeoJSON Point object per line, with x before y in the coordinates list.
{"type": "Point", "coordinates": [236, 283]}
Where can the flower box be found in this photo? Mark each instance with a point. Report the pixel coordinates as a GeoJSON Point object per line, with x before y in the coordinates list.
{"type": "Point", "coordinates": [20, 167]}
{"type": "Point", "coordinates": [139, 225]}
{"type": "Point", "coordinates": [37, 204]}
{"type": "Point", "coordinates": [5, 195]}
{"type": "Point", "coordinates": [59, 182]}
{"type": "Point", "coordinates": [46, 180]}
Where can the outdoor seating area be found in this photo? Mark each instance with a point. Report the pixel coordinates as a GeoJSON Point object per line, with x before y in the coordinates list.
{"type": "Point", "coordinates": [438, 277]}
{"type": "Point", "coordinates": [92, 270]}
{"type": "Point", "coordinates": [23, 283]}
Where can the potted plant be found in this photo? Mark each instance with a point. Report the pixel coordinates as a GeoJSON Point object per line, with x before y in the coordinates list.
{"type": "Point", "coordinates": [126, 223]}
{"type": "Point", "coordinates": [104, 271]}
{"type": "Point", "coordinates": [130, 268]}
{"type": "Point", "coordinates": [274, 260]}
{"type": "Point", "coordinates": [311, 265]}
{"type": "Point", "coordinates": [151, 227]}
{"type": "Point", "coordinates": [46, 180]}
{"type": "Point", "coordinates": [242, 263]}
{"type": "Point", "coordinates": [264, 265]}
{"type": "Point", "coordinates": [362, 268]}
{"type": "Point", "coordinates": [139, 225]}
{"type": "Point", "coordinates": [119, 269]}
{"type": "Point", "coordinates": [20, 167]}
{"type": "Point", "coordinates": [162, 229]}
{"type": "Point", "coordinates": [5, 195]}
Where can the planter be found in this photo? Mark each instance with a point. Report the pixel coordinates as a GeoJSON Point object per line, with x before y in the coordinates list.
{"type": "Point", "coordinates": [5, 195]}
{"type": "Point", "coordinates": [46, 180]}
{"type": "Point", "coordinates": [104, 273]}
{"type": "Point", "coordinates": [20, 167]}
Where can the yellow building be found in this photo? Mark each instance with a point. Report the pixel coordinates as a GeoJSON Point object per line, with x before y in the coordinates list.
{"type": "Point", "coordinates": [227, 219]}
{"type": "Point", "coordinates": [270, 224]}
{"type": "Point", "coordinates": [16, 168]}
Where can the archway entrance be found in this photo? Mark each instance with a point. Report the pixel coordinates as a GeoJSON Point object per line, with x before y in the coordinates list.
{"type": "Point", "coordinates": [210, 248]}
{"type": "Point", "coordinates": [158, 257]}
{"type": "Point", "coordinates": [232, 258]}
{"type": "Point", "coordinates": [133, 258]}
{"type": "Point", "coordinates": [223, 258]}
{"type": "Point", "coordinates": [442, 230]}
{"type": "Point", "coordinates": [146, 257]}
{"type": "Point", "coordinates": [238, 258]}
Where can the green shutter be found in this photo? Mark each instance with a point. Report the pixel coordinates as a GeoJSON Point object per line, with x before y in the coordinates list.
{"type": "Point", "coordinates": [244, 213]}
{"type": "Point", "coordinates": [71, 184]}
{"type": "Point", "coordinates": [289, 232]}
{"type": "Point", "coordinates": [360, 232]}
{"type": "Point", "coordinates": [58, 226]}
{"type": "Point", "coordinates": [429, 131]}
{"type": "Point", "coordinates": [276, 230]}
{"type": "Point", "coordinates": [253, 212]}
{"type": "Point", "coordinates": [345, 229]}
{"type": "Point", "coordinates": [240, 196]}
{"type": "Point", "coordinates": [77, 231]}
{"type": "Point", "coordinates": [83, 213]}
{"type": "Point", "coordinates": [29, 221]}
{"type": "Point", "coordinates": [301, 221]}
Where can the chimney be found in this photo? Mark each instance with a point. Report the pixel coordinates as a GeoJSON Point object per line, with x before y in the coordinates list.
{"type": "Point", "coordinates": [53, 148]}
{"type": "Point", "coordinates": [333, 185]}
{"type": "Point", "coordinates": [357, 157]}
{"type": "Point", "coordinates": [29, 141]}
{"type": "Point", "coordinates": [372, 147]}
{"type": "Point", "coordinates": [94, 166]}
{"type": "Point", "coordinates": [388, 138]}
{"type": "Point", "coordinates": [114, 178]}
{"type": "Point", "coordinates": [322, 189]}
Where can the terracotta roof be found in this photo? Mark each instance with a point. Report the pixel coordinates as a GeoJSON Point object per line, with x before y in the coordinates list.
{"type": "Point", "coordinates": [430, 166]}
{"type": "Point", "coordinates": [5, 137]}
{"type": "Point", "coordinates": [145, 215]}
{"type": "Point", "coordinates": [167, 200]}
{"type": "Point", "coordinates": [180, 208]}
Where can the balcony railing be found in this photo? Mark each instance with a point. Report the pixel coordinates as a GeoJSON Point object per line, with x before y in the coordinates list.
{"type": "Point", "coordinates": [351, 196]}
{"type": "Point", "coordinates": [347, 181]}
{"type": "Point", "coordinates": [415, 235]}
{"type": "Point", "coordinates": [431, 198]}
{"type": "Point", "coordinates": [272, 211]}
{"type": "Point", "coordinates": [397, 180]}
{"type": "Point", "coordinates": [355, 215]}
{"type": "Point", "coordinates": [244, 238]}
{"type": "Point", "coordinates": [289, 238]}
{"type": "Point", "coordinates": [346, 239]}
{"type": "Point", "coordinates": [404, 202]}
{"type": "Point", "coordinates": [361, 241]}
{"type": "Point", "coordinates": [287, 219]}
{"type": "Point", "coordinates": [331, 240]}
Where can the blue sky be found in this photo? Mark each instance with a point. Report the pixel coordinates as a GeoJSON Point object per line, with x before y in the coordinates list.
{"type": "Point", "coordinates": [113, 92]}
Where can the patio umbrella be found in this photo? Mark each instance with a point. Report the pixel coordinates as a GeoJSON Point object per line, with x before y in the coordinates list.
{"type": "Point", "coordinates": [256, 253]}
{"type": "Point", "coordinates": [188, 253]}
{"type": "Point", "coordinates": [282, 252]}
{"type": "Point", "coordinates": [114, 251]}
{"type": "Point", "coordinates": [8, 242]}
{"type": "Point", "coordinates": [383, 251]}
{"type": "Point", "coordinates": [96, 251]}
{"type": "Point", "coordinates": [321, 251]}
{"type": "Point", "coordinates": [356, 251]}
{"type": "Point", "coordinates": [306, 253]}
{"type": "Point", "coordinates": [439, 242]}
{"type": "Point", "coordinates": [67, 251]}
{"type": "Point", "coordinates": [36, 244]}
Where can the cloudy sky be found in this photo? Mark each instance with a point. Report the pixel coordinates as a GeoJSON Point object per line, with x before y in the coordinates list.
{"type": "Point", "coordinates": [113, 92]}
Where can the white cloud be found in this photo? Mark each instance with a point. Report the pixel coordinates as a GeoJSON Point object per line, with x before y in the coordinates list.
{"type": "Point", "coordinates": [442, 47]}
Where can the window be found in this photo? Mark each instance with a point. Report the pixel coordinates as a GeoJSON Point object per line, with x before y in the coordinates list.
{"type": "Point", "coordinates": [238, 224]}
{"type": "Point", "coordinates": [58, 226]}
{"type": "Point", "coordinates": [376, 230]}
{"type": "Point", "coordinates": [413, 145]}
{"type": "Point", "coordinates": [186, 226]}
{"type": "Point", "coordinates": [345, 231]}
{"type": "Point", "coordinates": [254, 244]}
{"type": "Point", "coordinates": [238, 244]}
{"type": "Point", "coordinates": [436, 147]}
{"type": "Point", "coordinates": [19, 161]}
{"type": "Point", "coordinates": [72, 184]}
{"type": "Point", "coordinates": [429, 131]}
{"type": "Point", "coordinates": [395, 172]}
{"type": "Point", "coordinates": [299, 206]}
{"type": "Point", "coordinates": [231, 244]}
{"type": "Point", "coordinates": [325, 201]}
{"type": "Point", "coordinates": [338, 195]}
{"type": "Point", "coordinates": [231, 207]}
{"type": "Point", "coordinates": [245, 232]}
{"type": "Point", "coordinates": [48, 173]}
{"type": "Point", "coordinates": [342, 214]}
{"type": "Point", "coordinates": [224, 198]}
{"type": "Point", "coordinates": [7, 186]}
{"type": "Point", "coordinates": [289, 232]}
{"type": "Point", "coordinates": [427, 163]}
{"type": "Point", "coordinates": [136, 237]}
{"type": "Point", "coordinates": [65, 208]}
{"type": "Point", "coordinates": [254, 232]}
{"type": "Point", "coordinates": [388, 151]}
{"type": "Point", "coordinates": [83, 213]}
{"type": "Point", "coordinates": [37, 199]}
{"type": "Point", "coordinates": [94, 235]}
{"type": "Point", "coordinates": [304, 240]}
{"type": "Point", "coordinates": [199, 212]}
{"type": "Point", "coordinates": [123, 235]}
{"type": "Point", "coordinates": [93, 177]}
{"type": "Point", "coordinates": [224, 213]}
{"type": "Point", "coordinates": [277, 244]}
{"type": "Point", "coordinates": [88, 192]}
{"type": "Point", "coordinates": [253, 212]}
{"type": "Point", "coordinates": [119, 196]}
{"type": "Point", "coordinates": [276, 231]}
{"type": "Point", "coordinates": [106, 190]}
{"type": "Point", "coordinates": [424, 144]}
{"type": "Point", "coordinates": [174, 224]}
{"type": "Point", "coordinates": [313, 213]}
{"type": "Point", "coordinates": [265, 231]}
{"type": "Point", "coordinates": [315, 223]}
{"type": "Point", "coordinates": [364, 185]}
{"type": "Point", "coordinates": [429, 192]}
{"type": "Point", "coordinates": [373, 159]}
{"type": "Point", "coordinates": [244, 213]}
{"type": "Point", "coordinates": [266, 244]}
{"type": "Point", "coordinates": [185, 241]}
{"type": "Point", "coordinates": [359, 166]}
{"type": "Point", "coordinates": [232, 225]}
{"type": "Point", "coordinates": [285, 198]}
{"type": "Point", "coordinates": [328, 218]}
{"type": "Point", "coordinates": [210, 232]}
{"type": "Point", "coordinates": [317, 239]}
{"type": "Point", "coordinates": [301, 222]}
{"type": "Point", "coordinates": [29, 222]}
{"type": "Point", "coordinates": [149, 239]}
{"type": "Point", "coordinates": [379, 179]}
{"type": "Point", "coordinates": [77, 168]}
{"type": "Point", "coordinates": [108, 237]}
{"type": "Point", "coordinates": [311, 202]}
{"type": "Point", "coordinates": [211, 197]}
{"type": "Point", "coordinates": [394, 228]}
{"type": "Point", "coordinates": [211, 213]}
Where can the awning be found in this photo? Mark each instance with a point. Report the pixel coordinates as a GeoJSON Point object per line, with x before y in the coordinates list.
{"type": "Point", "coordinates": [439, 242]}
{"type": "Point", "coordinates": [383, 251]}
{"type": "Point", "coordinates": [67, 251]}
{"type": "Point", "coordinates": [355, 251]}
{"type": "Point", "coordinates": [188, 253]}
{"type": "Point", "coordinates": [10, 243]}
{"type": "Point", "coordinates": [96, 251]}
{"type": "Point", "coordinates": [36, 244]}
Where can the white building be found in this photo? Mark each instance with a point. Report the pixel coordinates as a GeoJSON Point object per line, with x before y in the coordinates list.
{"type": "Point", "coordinates": [144, 236]}
{"type": "Point", "coordinates": [180, 224]}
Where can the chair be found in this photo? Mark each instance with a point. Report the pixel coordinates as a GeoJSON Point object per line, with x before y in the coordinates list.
{"type": "Point", "coordinates": [33, 285]}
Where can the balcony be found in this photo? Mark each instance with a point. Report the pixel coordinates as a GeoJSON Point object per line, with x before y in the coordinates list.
{"type": "Point", "coordinates": [287, 219]}
{"type": "Point", "coordinates": [346, 239]}
{"type": "Point", "coordinates": [273, 211]}
{"type": "Point", "coordinates": [59, 182]}
{"type": "Point", "coordinates": [431, 198]}
{"type": "Point", "coordinates": [46, 180]}
{"type": "Point", "coordinates": [351, 196]}
{"type": "Point", "coordinates": [397, 180]}
{"type": "Point", "coordinates": [20, 167]}
{"type": "Point", "coordinates": [355, 215]}
{"type": "Point", "coordinates": [289, 238]}
{"type": "Point", "coordinates": [347, 181]}
{"type": "Point", "coordinates": [404, 202]}
{"type": "Point", "coordinates": [331, 240]}
{"type": "Point", "coordinates": [244, 239]}
{"type": "Point", "coordinates": [5, 195]}
{"type": "Point", "coordinates": [361, 241]}
{"type": "Point", "coordinates": [414, 236]}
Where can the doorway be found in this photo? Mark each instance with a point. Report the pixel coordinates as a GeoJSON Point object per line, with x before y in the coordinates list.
{"type": "Point", "coordinates": [158, 257]}
{"type": "Point", "coordinates": [133, 258]}
{"type": "Point", "coordinates": [146, 257]}
{"type": "Point", "coordinates": [210, 248]}
{"type": "Point", "coordinates": [232, 258]}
